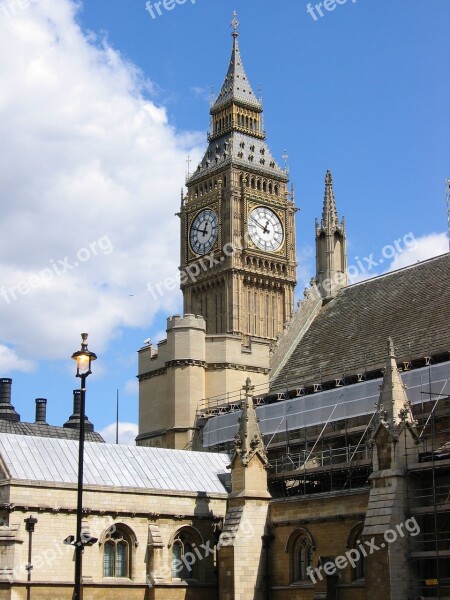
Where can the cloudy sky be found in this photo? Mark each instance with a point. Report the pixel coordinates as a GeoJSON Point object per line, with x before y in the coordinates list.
{"type": "Point", "coordinates": [101, 102]}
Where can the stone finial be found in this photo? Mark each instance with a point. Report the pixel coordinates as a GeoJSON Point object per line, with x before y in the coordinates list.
{"type": "Point", "coordinates": [248, 440]}
{"type": "Point", "coordinates": [393, 406]}
{"type": "Point", "coordinates": [235, 25]}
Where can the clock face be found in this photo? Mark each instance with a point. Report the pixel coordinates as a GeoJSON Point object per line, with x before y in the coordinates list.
{"type": "Point", "coordinates": [204, 231]}
{"type": "Point", "coordinates": [265, 229]}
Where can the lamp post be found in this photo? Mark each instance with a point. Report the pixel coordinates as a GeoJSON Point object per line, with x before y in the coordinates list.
{"type": "Point", "coordinates": [83, 359]}
{"type": "Point", "coordinates": [30, 522]}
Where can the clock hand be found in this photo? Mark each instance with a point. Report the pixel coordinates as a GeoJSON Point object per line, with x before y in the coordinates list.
{"type": "Point", "coordinates": [259, 224]}
{"type": "Point", "coordinates": [203, 232]}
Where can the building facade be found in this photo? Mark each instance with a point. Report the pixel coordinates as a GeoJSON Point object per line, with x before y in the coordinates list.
{"type": "Point", "coordinates": [282, 454]}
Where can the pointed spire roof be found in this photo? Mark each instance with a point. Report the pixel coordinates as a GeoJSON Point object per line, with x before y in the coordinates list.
{"type": "Point", "coordinates": [393, 406]}
{"type": "Point", "coordinates": [330, 218]}
{"type": "Point", "coordinates": [236, 87]}
{"type": "Point", "coordinates": [248, 440]}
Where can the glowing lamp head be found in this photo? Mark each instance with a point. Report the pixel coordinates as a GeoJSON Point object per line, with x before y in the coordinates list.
{"type": "Point", "coordinates": [84, 357]}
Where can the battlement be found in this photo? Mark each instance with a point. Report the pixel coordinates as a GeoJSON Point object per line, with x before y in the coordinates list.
{"type": "Point", "coordinates": [186, 322]}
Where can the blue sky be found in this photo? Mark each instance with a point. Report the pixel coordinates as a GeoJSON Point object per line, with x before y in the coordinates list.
{"type": "Point", "coordinates": [100, 106]}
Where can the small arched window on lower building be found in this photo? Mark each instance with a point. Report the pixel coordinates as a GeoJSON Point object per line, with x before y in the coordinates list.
{"type": "Point", "coordinates": [353, 542]}
{"type": "Point", "coordinates": [117, 552]}
{"type": "Point", "coordinates": [185, 562]}
{"type": "Point", "coordinates": [300, 547]}
{"type": "Point", "coordinates": [302, 558]}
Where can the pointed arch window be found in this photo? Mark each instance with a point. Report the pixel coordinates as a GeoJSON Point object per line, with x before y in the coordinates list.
{"type": "Point", "coordinates": [300, 547]}
{"type": "Point", "coordinates": [302, 559]}
{"type": "Point", "coordinates": [182, 547]}
{"type": "Point", "coordinates": [353, 542]}
{"type": "Point", "coordinates": [117, 553]}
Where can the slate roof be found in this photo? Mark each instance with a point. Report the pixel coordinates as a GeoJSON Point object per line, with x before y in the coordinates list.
{"type": "Point", "coordinates": [349, 334]}
{"type": "Point", "coordinates": [44, 430]}
{"type": "Point", "coordinates": [237, 147]}
{"type": "Point", "coordinates": [236, 86]}
{"type": "Point", "coordinates": [56, 461]}
{"type": "Point", "coordinates": [242, 150]}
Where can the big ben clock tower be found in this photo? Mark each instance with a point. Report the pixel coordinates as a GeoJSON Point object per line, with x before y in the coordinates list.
{"type": "Point", "coordinates": [237, 274]}
{"type": "Point", "coordinates": [238, 261]}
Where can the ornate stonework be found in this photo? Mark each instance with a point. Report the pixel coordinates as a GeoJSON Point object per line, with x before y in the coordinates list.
{"type": "Point", "coordinates": [237, 221]}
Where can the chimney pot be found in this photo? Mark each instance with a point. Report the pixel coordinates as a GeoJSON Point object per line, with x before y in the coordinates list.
{"type": "Point", "coordinates": [41, 410]}
{"type": "Point", "coordinates": [7, 411]}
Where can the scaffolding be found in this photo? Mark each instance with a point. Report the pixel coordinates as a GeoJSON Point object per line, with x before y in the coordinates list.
{"type": "Point", "coordinates": [428, 497]}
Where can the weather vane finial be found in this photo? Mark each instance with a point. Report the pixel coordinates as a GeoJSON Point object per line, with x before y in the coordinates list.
{"type": "Point", "coordinates": [235, 24]}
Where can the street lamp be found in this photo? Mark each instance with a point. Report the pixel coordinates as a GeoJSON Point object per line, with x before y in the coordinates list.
{"type": "Point", "coordinates": [30, 523]}
{"type": "Point", "coordinates": [83, 359]}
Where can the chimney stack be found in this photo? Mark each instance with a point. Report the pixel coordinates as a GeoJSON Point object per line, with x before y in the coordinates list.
{"type": "Point", "coordinates": [7, 411]}
{"type": "Point", "coordinates": [41, 410]}
{"type": "Point", "coordinates": [74, 420]}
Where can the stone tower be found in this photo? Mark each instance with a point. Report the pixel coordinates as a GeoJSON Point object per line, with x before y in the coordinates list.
{"type": "Point", "coordinates": [242, 566]}
{"type": "Point", "coordinates": [331, 242]}
{"type": "Point", "coordinates": [238, 265]}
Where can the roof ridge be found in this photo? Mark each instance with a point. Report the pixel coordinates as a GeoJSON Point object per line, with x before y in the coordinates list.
{"type": "Point", "coordinates": [388, 273]}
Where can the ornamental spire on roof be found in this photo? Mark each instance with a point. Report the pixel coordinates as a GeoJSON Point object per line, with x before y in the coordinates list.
{"type": "Point", "coordinates": [393, 406]}
{"type": "Point", "coordinates": [236, 86]}
{"type": "Point", "coordinates": [330, 217]}
{"type": "Point", "coordinates": [248, 440]}
{"type": "Point", "coordinates": [331, 246]}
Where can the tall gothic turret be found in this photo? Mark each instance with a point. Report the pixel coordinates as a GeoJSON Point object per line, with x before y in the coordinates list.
{"type": "Point", "coordinates": [331, 246]}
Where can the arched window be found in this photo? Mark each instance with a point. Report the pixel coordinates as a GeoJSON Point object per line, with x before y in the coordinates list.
{"type": "Point", "coordinates": [302, 559]}
{"type": "Point", "coordinates": [354, 540]}
{"type": "Point", "coordinates": [117, 553]}
{"type": "Point", "coordinates": [184, 560]}
{"type": "Point", "coordinates": [300, 546]}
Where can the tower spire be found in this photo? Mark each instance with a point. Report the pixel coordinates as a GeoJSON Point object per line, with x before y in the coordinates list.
{"type": "Point", "coordinates": [331, 246]}
{"type": "Point", "coordinates": [236, 86]}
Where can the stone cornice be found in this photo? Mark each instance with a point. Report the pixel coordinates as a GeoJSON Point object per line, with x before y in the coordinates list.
{"type": "Point", "coordinates": [206, 366]}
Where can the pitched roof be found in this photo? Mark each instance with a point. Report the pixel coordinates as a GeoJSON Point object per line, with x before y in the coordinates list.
{"type": "Point", "coordinates": [56, 461]}
{"type": "Point", "coordinates": [349, 334]}
{"type": "Point", "coordinates": [236, 86]}
{"type": "Point", "coordinates": [44, 430]}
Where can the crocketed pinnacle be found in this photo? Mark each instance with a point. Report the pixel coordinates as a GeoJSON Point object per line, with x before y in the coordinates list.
{"type": "Point", "coordinates": [248, 440]}
{"type": "Point", "coordinates": [330, 218]}
{"type": "Point", "coordinates": [393, 405]}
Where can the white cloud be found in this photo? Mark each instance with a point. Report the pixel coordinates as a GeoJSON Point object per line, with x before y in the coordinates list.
{"type": "Point", "coordinates": [127, 433]}
{"type": "Point", "coordinates": [9, 361]}
{"type": "Point", "coordinates": [421, 249]}
{"type": "Point", "coordinates": [89, 157]}
{"type": "Point", "coordinates": [131, 387]}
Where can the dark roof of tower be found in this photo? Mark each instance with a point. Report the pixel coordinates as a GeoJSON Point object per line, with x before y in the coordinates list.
{"type": "Point", "coordinates": [349, 334]}
{"type": "Point", "coordinates": [47, 431]}
{"type": "Point", "coordinates": [242, 150]}
{"type": "Point", "coordinates": [236, 86]}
